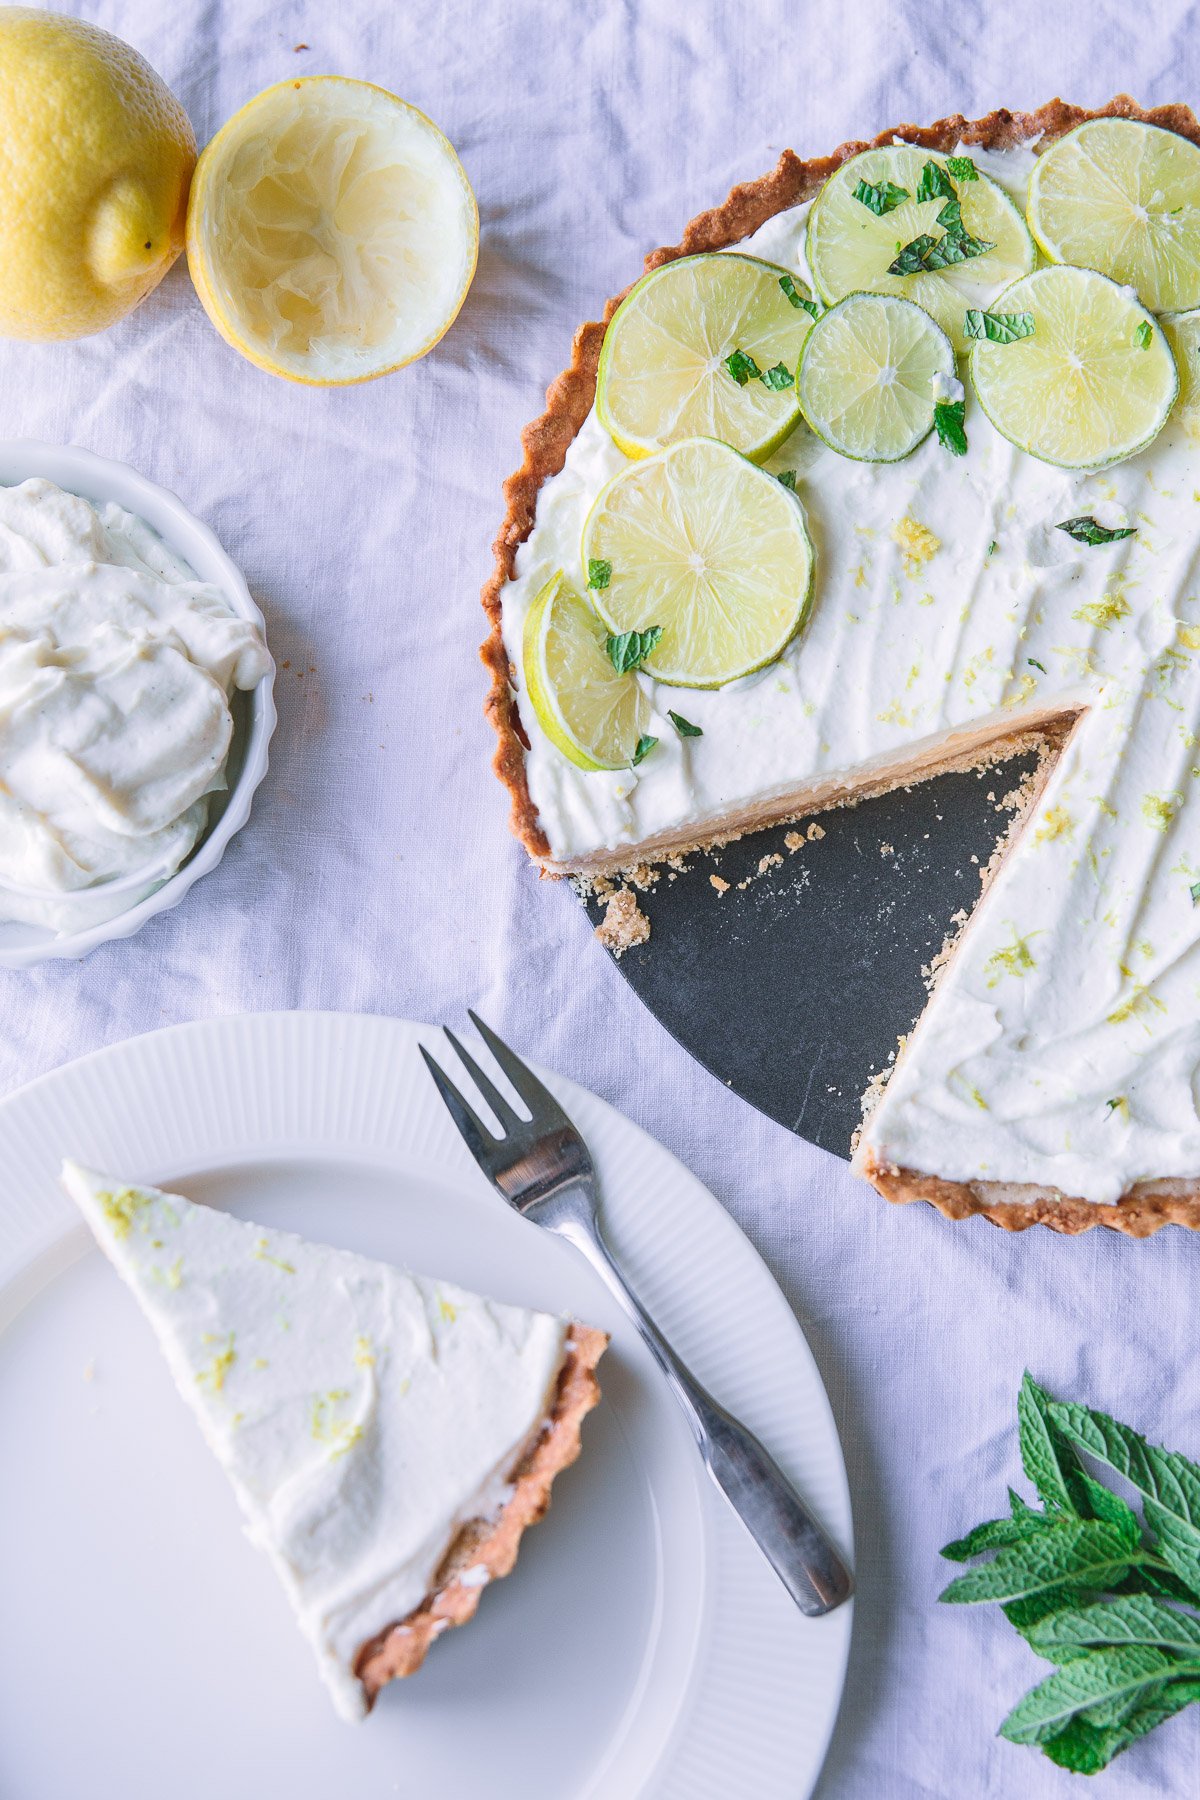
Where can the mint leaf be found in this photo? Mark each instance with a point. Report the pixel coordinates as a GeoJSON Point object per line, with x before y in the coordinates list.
{"type": "Point", "coordinates": [1080, 1553]}
{"type": "Point", "coordinates": [1047, 1461]}
{"type": "Point", "coordinates": [880, 197]}
{"type": "Point", "coordinates": [1194, 891]}
{"type": "Point", "coordinates": [910, 260]}
{"type": "Point", "coordinates": [792, 293]}
{"type": "Point", "coordinates": [684, 727]}
{"type": "Point", "coordinates": [999, 1534]}
{"type": "Point", "coordinates": [743, 368]}
{"type": "Point", "coordinates": [788, 480]}
{"type": "Point", "coordinates": [962, 168]}
{"type": "Point", "coordinates": [1168, 1482]}
{"type": "Point", "coordinates": [778, 378]}
{"type": "Point", "coordinates": [949, 422]}
{"type": "Point", "coordinates": [935, 183]}
{"type": "Point", "coordinates": [956, 247]}
{"type": "Point", "coordinates": [1035, 664]}
{"type": "Point", "coordinates": [645, 745]}
{"type": "Point", "coordinates": [1089, 1681]}
{"type": "Point", "coordinates": [628, 650]}
{"type": "Point", "coordinates": [998, 328]}
{"type": "Point", "coordinates": [950, 216]}
{"type": "Point", "coordinates": [1085, 1750]}
{"type": "Point", "coordinates": [1143, 337]}
{"type": "Point", "coordinates": [1103, 1504]}
{"type": "Point", "coordinates": [1087, 530]}
{"type": "Point", "coordinates": [599, 573]}
{"type": "Point", "coordinates": [1131, 1619]}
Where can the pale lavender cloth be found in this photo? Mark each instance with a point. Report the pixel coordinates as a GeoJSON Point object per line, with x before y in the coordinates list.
{"type": "Point", "coordinates": [377, 872]}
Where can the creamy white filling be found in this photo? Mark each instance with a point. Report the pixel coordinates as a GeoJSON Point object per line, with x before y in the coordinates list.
{"type": "Point", "coordinates": [362, 1414]}
{"type": "Point", "coordinates": [116, 670]}
{"type": "Point", "coordinates": [1063, 1045]}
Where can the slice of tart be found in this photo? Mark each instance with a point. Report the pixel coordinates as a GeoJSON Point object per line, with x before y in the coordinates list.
{"type": "Point", "coordinates": [1015, 564]}
{"type": "Point", "coordinates": [389, 1437]}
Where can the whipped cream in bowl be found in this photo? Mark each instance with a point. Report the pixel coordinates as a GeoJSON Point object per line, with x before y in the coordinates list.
{"type": "Point", "coordinates": [135, 701]}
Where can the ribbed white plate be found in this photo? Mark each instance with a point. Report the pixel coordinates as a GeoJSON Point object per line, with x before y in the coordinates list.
{"type": "Point", "coordinates": [640, 1649]}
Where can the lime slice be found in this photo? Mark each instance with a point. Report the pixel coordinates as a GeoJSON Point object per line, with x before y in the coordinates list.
{"type": "Point", "coordinates": [1124, 198]}
{"type": "Point", "coordinates": [588, 711]}
{"type": "Point", "coordinates": [663, 373]}
{"type": "Point", "coordinates": [869, 375]}
{"type": "Point", "coordinates": [701, 543]}
{"type": "Point", "coordinates": [1183, 335]}
{"type": "Point", "coordinates": [1094, 382]}
{"type": "Point", "coordinates": [850, 247]}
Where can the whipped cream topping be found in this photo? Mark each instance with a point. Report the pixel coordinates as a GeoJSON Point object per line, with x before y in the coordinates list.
{"type": "Point", "coordinates": [362, 1414]}
{"type": "Point", "coordinates": [1062, 1047]}
{"type": "Point", "coordinates": [116, 671]}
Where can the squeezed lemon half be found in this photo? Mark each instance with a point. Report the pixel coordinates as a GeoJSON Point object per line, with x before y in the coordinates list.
{"type": "Point", "coordinates": [332, 233]}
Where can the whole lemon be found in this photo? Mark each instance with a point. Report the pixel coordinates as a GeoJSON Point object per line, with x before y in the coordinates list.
{"type": "Point", "coordinates": [96, 155]}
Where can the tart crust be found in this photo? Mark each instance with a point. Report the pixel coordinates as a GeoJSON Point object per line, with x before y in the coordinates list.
{"type": "Point", "coordinates": [1144, 1207]}
{"type": "Point", "coordinates": [484, 1549]}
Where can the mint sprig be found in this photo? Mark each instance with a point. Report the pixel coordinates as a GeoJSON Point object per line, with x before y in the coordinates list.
{"type": "Point", "coordinates": [684, 727]}
{"type": "Point", "coordinates": [1143, 337]}
{"type": "Point", "coordinates": [1110, 1598]}
{"type": "Point", "coordinates": [962, 168]}
{"type": "Point", "coordinates": [599, 573]}
{"type": "Point", "coordinates": [628, 650]}
{"type": "Point", "coordinates": [645, 745]}
{"type": "Point", "coordinates": [997, 328]}
{"type": "Point", "coordinates": [778, 378]}
{"type": "Point", "coordinates": [880, 197]}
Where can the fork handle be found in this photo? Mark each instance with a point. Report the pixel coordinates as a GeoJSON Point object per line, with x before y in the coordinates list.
{"type": "Point", "coordinates": [747, 1474]}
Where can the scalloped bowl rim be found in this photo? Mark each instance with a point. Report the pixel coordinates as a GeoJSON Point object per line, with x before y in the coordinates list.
{"type": "Point", "coordinates": [99, 478]}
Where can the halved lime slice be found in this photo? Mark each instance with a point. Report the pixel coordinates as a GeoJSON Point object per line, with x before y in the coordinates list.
{"type": "Point", "coordinates": [588, 711]}
{"type": "Point", "coordinates": [1183, 335]}
{"type": "Point", "coordinates": [1124, 198]}
{"type": "Point", "coordinates": [1094, 382]}
{"type": "Point", "coordinates": [869, 374]}
{"type": "Point", "coordinates": [851, 247]}
{"type": "Point", "coordinates": [664, 373]}
{"type": "Point", "coordinates": [699, 542]}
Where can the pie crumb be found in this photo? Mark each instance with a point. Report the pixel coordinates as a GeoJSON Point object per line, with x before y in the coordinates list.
{"type": "Point", "coordinates": [815, 832]}
{"type": "Point", "coordinates": [769, 862]}
{"type": "Point", "coordinates": [624, 923]}
{"type": "Point", "coordinates": [794, 840]}
{"type": "Point", "coordinates": [722, 887]}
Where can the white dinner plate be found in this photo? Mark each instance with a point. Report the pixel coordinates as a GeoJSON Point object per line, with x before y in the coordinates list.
{"type": "Point", "coordinates": [641, 1650]}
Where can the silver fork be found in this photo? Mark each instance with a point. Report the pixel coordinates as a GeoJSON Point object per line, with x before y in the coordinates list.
{"type": "Point", "coordinates": [541, 1165]}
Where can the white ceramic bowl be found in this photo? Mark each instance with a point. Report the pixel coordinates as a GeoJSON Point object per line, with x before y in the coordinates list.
{"type": "Point", "coordinates": [98, 480]}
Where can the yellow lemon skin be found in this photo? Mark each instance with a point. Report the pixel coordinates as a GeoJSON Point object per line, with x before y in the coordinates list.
{"type": "Point", "coordinates": [96, 156]}
{"type": "Point", "coordinates": [288, 260]}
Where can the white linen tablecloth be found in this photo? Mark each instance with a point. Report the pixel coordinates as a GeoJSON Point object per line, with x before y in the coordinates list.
{"type": "Point", "coordinates": [377, 872]}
